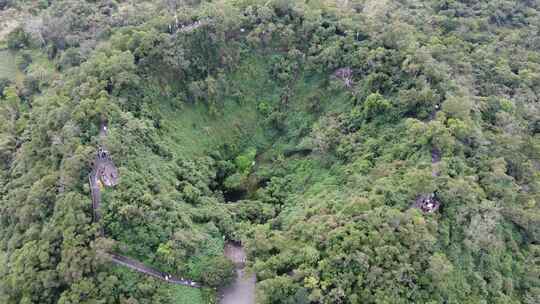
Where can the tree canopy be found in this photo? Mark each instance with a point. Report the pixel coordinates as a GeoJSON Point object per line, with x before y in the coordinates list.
{"type": "Point", "coordinates": [303, 129]}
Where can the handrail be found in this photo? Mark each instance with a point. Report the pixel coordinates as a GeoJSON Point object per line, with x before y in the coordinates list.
{"type": "Point", "coordinates": [95, 194]}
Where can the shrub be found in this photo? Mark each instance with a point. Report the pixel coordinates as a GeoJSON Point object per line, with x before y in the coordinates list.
{"type": "Point", "coordinates": [24, 60]}
{"type": "Point", "coordinates": [375, 106]}
{"type": "Point", "coordinates": [4, 83]}
{"type": "Point", "coordinates": [217, 271]}
{"type": "Point", "coordinates": [70, 58]}
{"type": "Point", "coordinates": [18, 39]}
{"type": "Point", "coordinates": [245, 161]}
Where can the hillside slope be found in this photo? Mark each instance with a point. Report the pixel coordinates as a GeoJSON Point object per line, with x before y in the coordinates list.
{"type": "Point", "coordinates": [361, 153]}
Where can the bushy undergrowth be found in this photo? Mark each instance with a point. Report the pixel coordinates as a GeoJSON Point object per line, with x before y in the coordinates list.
{"type": "Point", "coordinates": [303, 129]}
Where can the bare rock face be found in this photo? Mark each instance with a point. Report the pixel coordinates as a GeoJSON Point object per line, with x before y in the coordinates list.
{"type": "Point", "coordinates": [427, 203]}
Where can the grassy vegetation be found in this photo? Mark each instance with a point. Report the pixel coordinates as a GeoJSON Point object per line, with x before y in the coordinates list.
{"type": "Point", "coordinates": [8, 68]}
{"type": "Point", "coordinates": [249, 128]}
{"type": "Point", "coordinates": [193, 131]}
{"type": "Point", "coordinates": [186, 295]}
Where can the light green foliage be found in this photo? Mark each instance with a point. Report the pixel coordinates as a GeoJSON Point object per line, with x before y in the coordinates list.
{"type": "Point", "coordinates": [18, 39]}
{"type": "Point", "coordinates": [245, 161]}
{"type": "Point", "coordinates": [217, 271]}
{"type": "Point", "coordinates": [240, 128]}
{"type": "Point", "coordinates": [186, 295]}
{"type": "Point", "coordinates": [234, 182]}
{"type": "Point", "coordinates": [8, 67]}
{"type": "Point", "coordinates": [375, 105]}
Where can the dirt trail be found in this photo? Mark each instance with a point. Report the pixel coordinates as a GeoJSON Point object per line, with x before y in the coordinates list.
{"type": "Point", "coordinates": [242, 290]}
{"type": "Point", "coordinates": [104, 173]}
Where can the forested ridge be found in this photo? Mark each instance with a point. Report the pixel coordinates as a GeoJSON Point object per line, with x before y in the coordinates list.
{"type": "Point", "coordinates": [312, 132]}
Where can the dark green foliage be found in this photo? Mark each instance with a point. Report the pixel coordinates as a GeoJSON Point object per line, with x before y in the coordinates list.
{"type": "Point", "coordinates": [70, 58]}
{"type": "Point", "coordinates": [217, 271]}
{"type": "Point", "coordinates": [241, 128]}
{"type": "Point", "coordinates": [18, 39]}
{"type": "Point", "coordinates": [4, 83]}
{"type": "Point", "coordinates": [5, 3]}
{"type": "Point", "coordinates": [24, 60]}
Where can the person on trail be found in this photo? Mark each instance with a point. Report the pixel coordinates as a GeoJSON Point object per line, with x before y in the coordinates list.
{"type": "Point", "coordinates": [104, 174]}
{"type": "Point", "coordinates": [102, 153]}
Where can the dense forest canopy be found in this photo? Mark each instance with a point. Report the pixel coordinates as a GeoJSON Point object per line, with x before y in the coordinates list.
{"type": "Point", "coordinates": [314, 132]}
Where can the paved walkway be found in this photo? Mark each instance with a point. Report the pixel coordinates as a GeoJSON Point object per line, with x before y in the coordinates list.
{"type": "Point", "coordinates": [242, 291]}
{"type": "Point", "coordinates": [105, 172]}
{"type": "Point", "coordinates": [140, 267]}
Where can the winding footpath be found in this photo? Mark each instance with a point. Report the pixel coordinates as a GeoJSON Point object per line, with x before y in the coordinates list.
{"type": "Point", "coordinates": [104, 173]}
